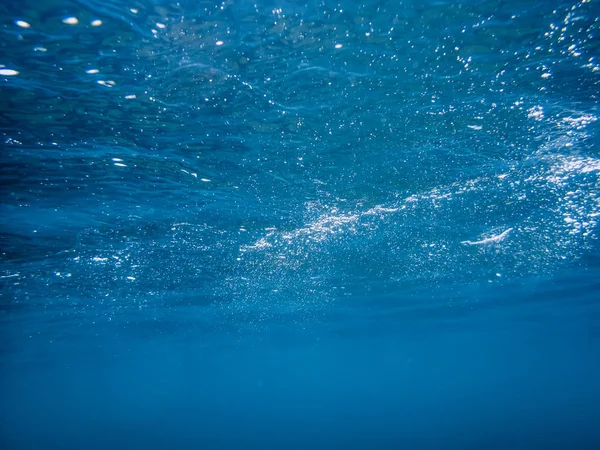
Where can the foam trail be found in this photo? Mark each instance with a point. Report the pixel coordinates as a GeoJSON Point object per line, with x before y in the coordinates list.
{"type": "Point", "coordinates": [491, 240]}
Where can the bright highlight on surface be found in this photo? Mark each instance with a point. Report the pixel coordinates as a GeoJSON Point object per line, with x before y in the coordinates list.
{"type": "Point", "coordinates": [71, 21]}
{"type": "Point", "coordinates": [96, 23]}
{"type": "Point", "coordinates": [8, 72]}
{"type": "Point", "coordinates": [220, 42]}
{"type": "Point", "coordinates": [22, 24]}
{"type": "Point", "coordinates": [92, 71]}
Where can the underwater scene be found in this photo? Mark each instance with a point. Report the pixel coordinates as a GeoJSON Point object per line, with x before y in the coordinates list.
{"type": "Point", "coordinates": [299, 224]}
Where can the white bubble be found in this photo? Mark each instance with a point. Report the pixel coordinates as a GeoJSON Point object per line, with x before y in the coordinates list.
{"type": "Point", "coordinates": [162, 26]}
{"type": "Point", "coordinates": [8, 72]}
{"type": "Point", "coordinates": [92, 71]}
{"type": "Point", "coordinates": [220, 42]}
{"type": "Point", "coordinates": [338, 45]}
{"type": "Point", "coordinates": [96, 23]}
{"type": "Point", "coordinates": [130, 97]}
{"type": "Point", "coordinates": [71, 20]}
{"type": "Point", "coordinates": [22, 24]}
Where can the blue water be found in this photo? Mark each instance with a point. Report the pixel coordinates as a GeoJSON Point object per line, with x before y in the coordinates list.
{"type": "Point", "coordinates": [284, 224]}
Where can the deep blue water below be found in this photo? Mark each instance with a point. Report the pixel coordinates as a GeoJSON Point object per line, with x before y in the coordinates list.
{"type": "Point", "coordinates": [281, 224]}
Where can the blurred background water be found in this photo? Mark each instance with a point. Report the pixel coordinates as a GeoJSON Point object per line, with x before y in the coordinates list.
{"type": "Point", "coordinates": [290, 224]}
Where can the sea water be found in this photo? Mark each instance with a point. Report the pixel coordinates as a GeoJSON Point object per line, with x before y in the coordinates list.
{"type": "Point", "coordinates": [282, 224]}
